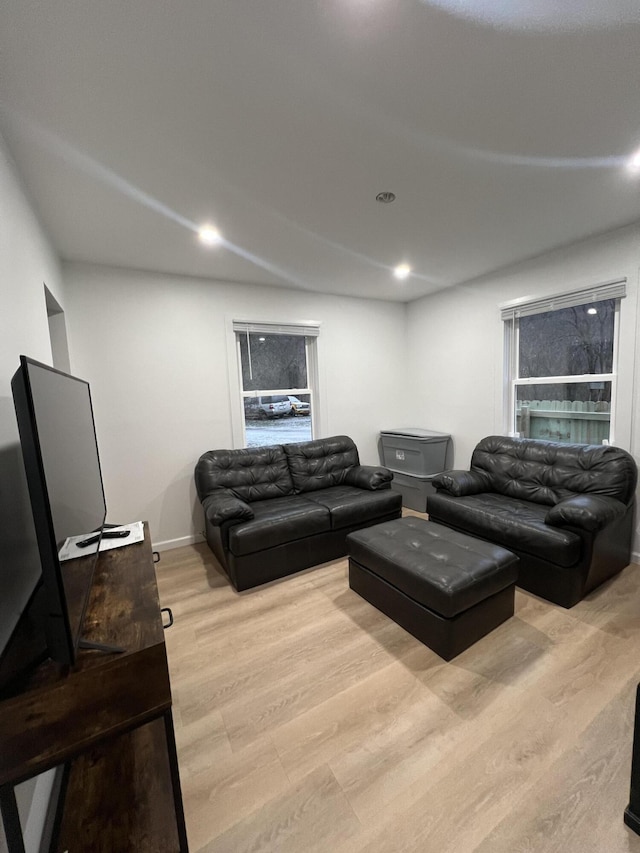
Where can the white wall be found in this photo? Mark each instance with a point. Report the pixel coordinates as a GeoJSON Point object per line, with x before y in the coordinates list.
{"type": "Point", "coordinates": [154, 349]}
{"type": "Point", "coordinates": [455, 340]}
{"type": "Point", "coordinates": [26, 263]}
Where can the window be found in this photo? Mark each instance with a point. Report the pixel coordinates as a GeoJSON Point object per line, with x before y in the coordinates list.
{"type": "Point", "coordinates": [278, 385]}
{"type": "Point", "coordinates": [561, 362]}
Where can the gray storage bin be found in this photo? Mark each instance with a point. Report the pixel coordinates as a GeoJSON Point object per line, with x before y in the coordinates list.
{"type": "Point", "coordinates": [414, 451]}
{"type": "Point", "coordinates": [414, 489]}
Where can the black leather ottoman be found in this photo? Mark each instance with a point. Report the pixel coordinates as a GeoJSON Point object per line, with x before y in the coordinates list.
{"type": "Point", "coordinates": [444, 587]}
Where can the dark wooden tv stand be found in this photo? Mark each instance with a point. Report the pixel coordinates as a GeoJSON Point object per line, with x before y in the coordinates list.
{"type": "Point", "coordinates": [107, 720]}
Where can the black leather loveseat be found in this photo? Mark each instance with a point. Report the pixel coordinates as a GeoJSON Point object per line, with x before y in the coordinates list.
{"type": "Point", "coordinates": [566, 510]}
{"type": "Point", "coordinates": [271, 511]}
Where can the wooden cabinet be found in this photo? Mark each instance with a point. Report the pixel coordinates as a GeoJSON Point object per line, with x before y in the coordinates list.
{"type": "Point", "coordinates": [107, 719]}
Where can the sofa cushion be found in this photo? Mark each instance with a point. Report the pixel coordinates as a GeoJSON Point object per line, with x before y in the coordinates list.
{"type": "Point", "coordinates": [276, 522]}
{"type": "Point", "coordinates": [322, 463]}
{"type": "Point", "coordinates": [349, 506]}
{"type": "Point", "coordinates": [515, 524]}
{"type": "Point", "coordinates": [546, 472]}
{"type": "Point", "coordinates": [252, 474]}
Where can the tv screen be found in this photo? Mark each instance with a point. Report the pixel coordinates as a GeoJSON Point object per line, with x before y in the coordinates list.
{"type": "Point", "coordinates": [60, 452]}
{"type": "Point", "coordinates": [20, 571]}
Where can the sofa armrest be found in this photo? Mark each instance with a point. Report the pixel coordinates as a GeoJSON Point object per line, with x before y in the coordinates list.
{"type": "Point", "coordinates": [369, 477]}
{"type": "Point", "coordinates": [587, 512]}
{"type": "Point", "coordinates": [222, 505]}
{"type": "Point", "coordinates": [460, 483]}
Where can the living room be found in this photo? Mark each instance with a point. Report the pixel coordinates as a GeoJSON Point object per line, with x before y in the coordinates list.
{"type": "Point", "coordinates": [157, 347]}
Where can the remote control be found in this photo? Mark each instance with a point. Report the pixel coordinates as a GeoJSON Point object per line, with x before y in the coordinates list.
{"type": "Point", "coordinates": [107, 534]}
{"type": "Point", "coordinates": [86, 542]}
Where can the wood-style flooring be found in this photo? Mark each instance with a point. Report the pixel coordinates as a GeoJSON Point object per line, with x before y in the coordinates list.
{"type": "Point", "coordinates": [308, 721]}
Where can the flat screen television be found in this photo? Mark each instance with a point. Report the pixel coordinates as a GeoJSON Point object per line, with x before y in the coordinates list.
{"type": "Point", "coordinates": [62, 465]}
{"type": "Point", "coordinates": [20, 571]}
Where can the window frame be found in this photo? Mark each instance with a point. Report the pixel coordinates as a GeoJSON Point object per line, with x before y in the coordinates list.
{"type": "Point", "coordinates": [310, 330]}
{"type": "Point", "coordinates": [510, 315]}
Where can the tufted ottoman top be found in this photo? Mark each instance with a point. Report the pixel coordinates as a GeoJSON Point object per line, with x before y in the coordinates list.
{"type": "Point", "coordinates": [444, 570]}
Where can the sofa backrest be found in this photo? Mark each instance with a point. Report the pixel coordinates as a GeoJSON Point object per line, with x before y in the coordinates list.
{"type": "Point", "coordinates": [252, 474]}
{"type": "Point", "coordinates": [321, 463]}
{"type": "Point", "coordinates": [547, 471]}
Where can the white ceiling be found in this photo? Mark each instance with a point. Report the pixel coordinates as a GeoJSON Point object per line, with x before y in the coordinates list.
{"type": "Point", "coordinates": [502, 129]}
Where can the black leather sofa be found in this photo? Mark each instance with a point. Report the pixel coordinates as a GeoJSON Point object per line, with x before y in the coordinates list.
{"type": "Point", "coordinates": [271, 511]}
{"type": "Point", "coordinates": [566, 510]}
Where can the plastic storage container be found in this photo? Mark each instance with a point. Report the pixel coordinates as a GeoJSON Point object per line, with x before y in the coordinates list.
{"type": "Point", "coordinates": [414, 489]}
{"type": "Point", "coordinates": [415, 456]}
{"type": "Point", "coordinates": [414, 451]}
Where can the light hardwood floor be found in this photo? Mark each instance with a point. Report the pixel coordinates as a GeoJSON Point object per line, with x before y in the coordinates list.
{"type": "Point", "coordinates": [308, 721]}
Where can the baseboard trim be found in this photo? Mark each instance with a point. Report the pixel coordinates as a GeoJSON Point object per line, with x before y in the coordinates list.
{"type": "Point", "coordinates": [170, 544]}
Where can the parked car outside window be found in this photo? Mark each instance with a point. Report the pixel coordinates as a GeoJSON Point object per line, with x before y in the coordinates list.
{"type": "Point", "coordinates": [268, 406]}
{"type": "Point", "coordinates": [298, 407]}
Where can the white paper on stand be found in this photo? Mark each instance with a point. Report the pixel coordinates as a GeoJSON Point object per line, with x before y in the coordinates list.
{"type": "Point", "coordinates": [70, 550]}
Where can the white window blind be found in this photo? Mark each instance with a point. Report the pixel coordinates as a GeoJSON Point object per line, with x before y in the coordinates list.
{"type": "Point", "coordinates": [597, 293]}
{"type": "Point", "coordinates": [309, 330]}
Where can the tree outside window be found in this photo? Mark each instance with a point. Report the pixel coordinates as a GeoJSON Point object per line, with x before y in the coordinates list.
{"type": "Point", "coordinates": [273, 361]}
{"type": "Point", "coordinates": [563, 378]}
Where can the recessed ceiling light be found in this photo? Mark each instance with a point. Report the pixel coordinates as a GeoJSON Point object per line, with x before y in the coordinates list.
{"type": "Point", "coordinates": [633, 163]}
{"type": "Point", "coordinates": [209, 235]}
{"type": "Point", "coordinates": [402, 271]}
{"type": "Point", "coordinates": [386, 197]}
